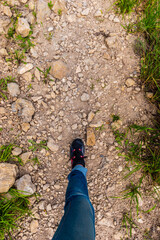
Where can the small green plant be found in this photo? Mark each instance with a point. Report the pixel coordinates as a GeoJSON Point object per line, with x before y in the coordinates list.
{"type": "Point", "coordinates": [126, 6]}
{"type": "Point", "coordinates": [26, 5]}
{"type": "Point", "coordinates": [101, 128]}
{"type": "Point", "coordinates": [1, 129]}
{"type": "Point", "coordinates": [59, 12]}
{"type": "Point", "coordinates": [19, 56]}
{"type": "Point", "coordinates": [29, 86]}
{"type": "Point", "coordinates": [115, 118]}
{"type": "Point", "coordinates": [6, 154]}
{"type": "Point", "coordinates": [37, 146]}
{"type": "Point", "coordinates": [128, 223]}
{"type": "Point", "coordinates": [25, 42]}
{"type": "Point", "coordinates": [45, 74]}
{"type": "Point", "coordinates": [35, 160]}
{"type": "Point", "coordinates": [3, 86]}
{"type": "Point", "coordinates": [50, 5]}
{"type": "Point", "coordinates": [34, 14]}
{"type": "Point", "coordinates": [11, 210]}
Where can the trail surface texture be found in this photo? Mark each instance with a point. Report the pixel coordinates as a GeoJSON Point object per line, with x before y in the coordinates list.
{"type": "Point", "coordinates": [95, 75]}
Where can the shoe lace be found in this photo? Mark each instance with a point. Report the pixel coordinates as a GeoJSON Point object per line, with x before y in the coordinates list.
{"type": "Point", "coordinates": [77, 155]}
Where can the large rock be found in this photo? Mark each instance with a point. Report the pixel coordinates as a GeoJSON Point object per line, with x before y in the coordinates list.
{"type": "Point", "coordinates": [23, 27]}
{"type": "Point", "coordinates": [59, 5]}
{"type": "Point", "coordinates": [59, 69]}
{"type": "Point", "coordinates": [24, 109]}
{"type": "Point", "coordinates": [91, 140]}
{"type": "Point", "coordinates": [6, 10]}
{"type": "Point", "coordinates": [25, 185]}
{"type": "Point", "coordinates": [43, 10]}
{"type": "Point", "coordinates": [13, 89]}
{"type": "Point", "coordinates": [8, 174]}
{"type": "Point", "coordinates": [23, 68]}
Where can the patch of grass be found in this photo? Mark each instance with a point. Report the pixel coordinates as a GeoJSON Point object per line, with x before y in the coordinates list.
{"type": "Point", "coordinates": [6, 154]}
{"type": "Point", "coordinates": [11, 211]}
{"type": "Point", "coordinates": [101, 128]}
{"type": "Point", "coordinates": [25, 42]}
{"type": "Point", "coordinates": [35, 160]}
{"type": "Point", "coordinates": [37, 146]}
{"type": "Point", "coordinates": [115, 118]}
{"type": "Point", "coordinates": [34, 14]}
{"type": "Point", "coordinates": [19, 56]}
{"type": "Point", "coordinates": [3, 86]}
{"type": "Point", "coordinates": [59, 12]}
{"type": "Point", "coordinates": [50, 5]}
{"type": "Point", "coordinates": [45, 74]}
{"type": "Point", "coordinates": [126, 6]}
{"type": "Point", "coordinates": [1, 129]}
{"type": "Point", "coordinates": [128, 223]}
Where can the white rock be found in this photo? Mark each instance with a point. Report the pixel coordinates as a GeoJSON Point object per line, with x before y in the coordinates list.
{"type": "Point", "coordinates": [43, 11]}
{"type": "Point", "coordinates": [34, 226]}
{"type": "Point", "coordinates": [3, 52]}
{"type": "Point", "coordinates": [52, 146]}
{"type": "Point", "coordinates": [17, 151]}
{"type": "Point", "coordinates": [85, 12]}
{"type": "Point", "coordinates": [33, 52]}
{"type": "Point", "coordinates": [8, 174]}
{"type": "Point", "coordinates": [50, 29]}
{"type": "Point", "coordinates": [27, 76]}
{"type": "Point", "coordinates": [13, 89]}
{"type": "Point", "coordinates": [25, 185]}
{"type": "Point", "coordinates": [111, 42]}
{"type": "Point", "coordinates": [23, 27]}
{"type": "Point", "coordinates": [49, 207]}
{"type": "Point", "coordinates": [91, 116]}
{"type": "Point", "coordinates": [111, 17]}
{"type": "Point", "coordinates": [130, 82]}
{"type": "Point", "coordinates": [25, 156]}
{"type": "Point", "coordinates": [97, 124]}
{"type": "Point", "coordinates": [2, 110]}
{"type": "Point", "coordinates": [6, 10]}
{"type": "Point", "coordinates": [98, 13]}
{"type": "Point", "coordinates": [74, 126]}
{"type": "Point", "coordinates": [24, 68]}
{"type": "Point", "coordinates": [116, 20]}
{"type": "Point", "coordinates": [41, 205]}
{"type": "Point", "coordinates": [85, 97]}
{"type": "Point", "coordinates": [23, 1]}
{"type": "Point", "coordinates": [78, 70]}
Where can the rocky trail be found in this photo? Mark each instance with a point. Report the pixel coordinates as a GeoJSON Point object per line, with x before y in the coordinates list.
{"type": "Point", "coordinates": [92, 74]}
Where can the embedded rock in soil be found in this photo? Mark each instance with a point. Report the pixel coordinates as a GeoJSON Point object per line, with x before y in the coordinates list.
{"type": "Point", "coordinates": [3, 52]}
{"type": "Point", "coordinates": [17, 151]}
{"type": "Point", "coordinates": [25, 127]}
{"type": "Point", "coordinates": [85, 97]}
{"type": "Point", "coordinates": [116, 125]}
{"type": "Point", "coordinates": [34, 226]}
{"type": "Point", "coordinates": [13, 89]}
{"type": "Point", "coordinates": [43, 11]}
{"type": "Point", "coordinates": [25, 185]}
{"type": "Point", "coordinates": [59, 69]}
{"type": "Point", "coordinates": [25, 156]}
{"type": "Point", "coordinates": [110, 42]}
{"type": "Point", "coordinates": [59, 5]}
{"type": "Point", "coordinates": [24, 109]}
{"type": "Point", "coordinates": [6, 10]}
{"type": "Point", "coordinates": [91, 140]}
{"type": "Point", "coordinates": [25, 68]}
{"type": "Point", "coordinates": [91, 116]}
{"type": "Point", "coordinates": [52, 146]}
{"type": "Point", "coordinates": [23, 27]}
{"type": "Point", "coordinates": [8, 174]}
{"type": "Point", "coordinates": [2, 110]}
{"type": "Point", "coordinates": [130, 82]}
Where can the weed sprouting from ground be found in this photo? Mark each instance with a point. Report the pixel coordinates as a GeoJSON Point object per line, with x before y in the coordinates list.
{"type": "Point", "coordinates": [50, 5]}
{"type": "Point", "coordinates": [126, 6]}
{"type": "Point", "coordinates": [6, 154]}
{"type": "Point", "coordinates": [37, 146]}
{"type": "Point", "coordinates": [115, 118]}
{"type": "Point", "coordinates": [12, 209]}
{"type": "Point", "coordinates": [45, 74]}
{"type": "Point", "coordinates": [128, 223]}
{"type": "Point", "coordinates": [3, 86]}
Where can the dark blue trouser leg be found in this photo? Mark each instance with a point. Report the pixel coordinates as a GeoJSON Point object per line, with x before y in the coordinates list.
{"type": "Point", "coordinates": [78, 221]}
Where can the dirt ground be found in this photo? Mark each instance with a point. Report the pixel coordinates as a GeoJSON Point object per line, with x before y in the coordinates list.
{"type": "Point", "coordinates": [89, 38]}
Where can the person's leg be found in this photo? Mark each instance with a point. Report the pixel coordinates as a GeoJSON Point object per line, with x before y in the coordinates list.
{"type": "Point", "coordinates": [78, 222]}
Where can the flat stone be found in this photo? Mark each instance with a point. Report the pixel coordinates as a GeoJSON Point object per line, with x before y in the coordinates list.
{"type": "Point", "coordinates": [149, 95]}
{"type": "Point", "coordinates": [130, 82]}
{"type": "Point", "coordinates": [59, 5]}
{"type": "Point", "coordinates": [25, 127]}
{"type": "Point", "coordinates": [116, 20]}
{"type": "Point", "coordinates": [25, 185]}
{"type": "Point", "coordinates": [37, 74]}
{"type": "Point", "coordinates": [111, 42]}
{"type": "Point", "coordinates": [3, 52]}
{"type": "Point", "coordinates": [43, 11]}
{"type": "Point", "coordinates": [59, 69]}
{"type": "Point", "coordinates": [6, 10]}
{"type": "Point", "coordinates": [23, 27]}
{"type": "Point", "coordinates": [34, 226]}
{"type": "Point", "coordinates": [24, 109]}
{"type": "Point", "coordinates": [24, 68]}
{"type": "Point", "coordinates": [17, 151]}
{"type": "Point", "coordinates": [98, 13]}
{"type": "Point", "coordinates": [34, 53]}
{"type": "Point", "coordinates": [85, 12]}
{"type": "Point", "coordinates": [8, 174]}
{"type": "Point", "coordinates": [2, 110]}
{"type": "Point", "coordinates": [25, 156]}
{"type": "Point", "coordinates": [85, 97]}
{"type": "Point", "coordinates": [96, 125]}
{"type": "Point", "coordinates": [13, 89]}
{"type": "Point", "coordinates": [52, 146]}
{"type": "Point", "coordinates": [91, 140]}
{"type": "Point", "coordinates": [27, 76]}
{"type": "Point", "coordinates": [91, 116]}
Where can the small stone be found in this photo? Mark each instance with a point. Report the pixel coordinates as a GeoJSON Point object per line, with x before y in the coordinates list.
{"type": "Point", "coordinates": [25, 127]}
{"type": "Point", "coordinates": [91, 116]}
{"type": "Point", "coordinates": [41, 205]}
{"type": "Point", "coordinates": [85, 12]}
{"type": "Point", "coordinates": [110, 42]}
{"type": "Point", "coordinates": [13, 89]}
{"type": "Point", "coordinates": [43, 11]}
{"type": "Point", "coordinates": [33, 53]}
{"type": "Point", "coordinates": [74, 126]}
{"type": "Point", "coordinates": [3, 52]}
{"type": "Point", "coordinates": [31, 5]}
{"type": "Point", "coordinates": [96, 125]}
{"type": "Point", "coordinates": [23, 1]}
{"type": "Point", "coordinates": [24, 68]}
{"type": "Point", "coordinates": [130, 82]}
{"type": "Point", "coordinates": [27, 76]}
{"type": "Point", "coordinates": [52, 146]}
{"type": "Point", "coordinates": [25, 156]}
{"type": "Point", "coordinates": [17, 151]}
{"type": "Point", "coordinates": [24, 109]}
{"type": "Point", "coordinates": [49, 207]}
{"type": "Point", "coordinates": [8, 174]}
{"type": "Point", "coordinates": [25, 185]}
{"type": "Point", "coordinates": [37, 74]}
{"type": "Point", "coordinates": [7, 11]}
{"type": "Point", "coordinates": [120, 168]}
{"type": "Point", "coordinates": [78, 70]}
{"type": "Point", "coordinates": [34, 226]}
{"type": "Point", "coordinates": [149, 95]}
{"type": "Point", "coordinates": [98, 13]}
{"type": "Point", "coordinates": [85, 97]}
{"type": "Point", "coordinates": [140, 220]}
{"type": "Point", "coordinates": [23, 27]}
{"type": "Point", "coordinates": [116, 125]}
{"type": "Point", "coordinates": [59, 5]}
{"type": "Point", "coordinates": [116, 20]}
{"type": "Point", "coordinates": [2, 110]}
{"type": "Point", "coordinates": [91, 140]}
{"type": "Point", "coordinates": [111, 17]}
{"type": "Point", "coordinates": [107, 56]}
{"type": "Point", "coordinates": [118, 236]}
{"type": "Point", "coordinates": [59, 69]}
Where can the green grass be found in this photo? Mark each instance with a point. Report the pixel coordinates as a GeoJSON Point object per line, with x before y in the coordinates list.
{"type": "Point", "coordinates": [11, 211]}
{"type": "Point", "coordinates": [128, 223]}
{"type": "Point", "coordinates": [115, 118]}
{"type": "Point", "coordinates": [3, 86]}
{"type": "Point", "coordinates": [59, 12]}
{"type": "Point", "coordinates": [19, 56]}
{"type": "Point", "coordinates": [25, 42]}
{"type": "Point", "coordinates": [37, 146]}
{"type": "Point", "coordinates": [6, 154]}
{"type": "Point", "coordinates": [126, 6]}
{"type": "Point", "coordinates": [50, 5]}
{"type": "Point", "coordinates": [45, 74]}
